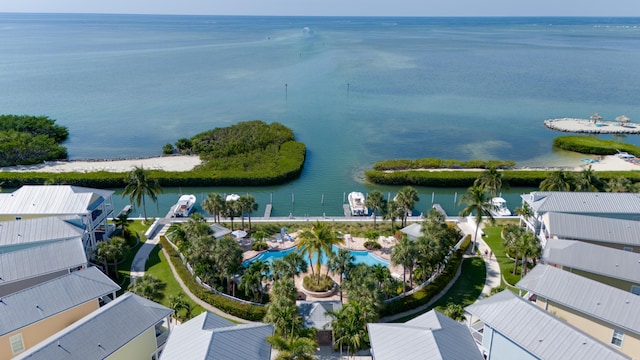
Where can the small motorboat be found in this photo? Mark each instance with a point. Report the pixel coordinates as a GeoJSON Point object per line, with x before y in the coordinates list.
{"type": "Point", "coordinates": [184, 206]}
{"type": "Point", "coordinates": [499, 207]}
{"type": "Point", "coordinates": [356, 204]}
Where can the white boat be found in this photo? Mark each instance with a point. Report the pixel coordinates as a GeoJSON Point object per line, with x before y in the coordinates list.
{"type": "Point", "coordinates": [500, 207]}
{"type": "Point", "coordinates": [184, 206]}
{"type": "Point", "coordinates": [356, 204]}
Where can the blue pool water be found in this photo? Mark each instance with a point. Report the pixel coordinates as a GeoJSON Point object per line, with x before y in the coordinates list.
{"type": "Point", "coordinates": [361, 257]}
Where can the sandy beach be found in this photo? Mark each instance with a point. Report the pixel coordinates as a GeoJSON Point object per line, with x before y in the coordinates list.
{"type": "Point", "coordinates": [167, 163]}
{"type": "Point", "coordinates": [589, 127]}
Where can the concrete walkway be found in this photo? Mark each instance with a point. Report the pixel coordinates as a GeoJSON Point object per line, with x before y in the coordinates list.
{"type": "Point", "coordinates": [493, 275]}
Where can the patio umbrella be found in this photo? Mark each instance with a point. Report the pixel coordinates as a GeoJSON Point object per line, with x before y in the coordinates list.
{"type": "Point", "coordinates": [623, 119]}
{"type": "Point", "coordinates": [595, 117]}
{"type": "Point", "coordinates": [238, 234]}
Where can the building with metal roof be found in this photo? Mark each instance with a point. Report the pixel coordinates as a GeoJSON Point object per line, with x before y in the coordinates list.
{"type": "Point", "coordinates": [506, 326]}
{"type": "Point", "coordinates": [130, 327]}
{"type": "Point", "coordinates": [413, 231]}
{"type": "Point", "coordinates": [31, 315]}
{"type": "Point", "coordinates": [209, 336]}
{"type": "Point", "coordinates": [609, 314]}
{"type": "Point", "coordinates": [624, 206]}
{"type": "Point", "coordinates": [90, 207]}
{"type": "Point", "coordinates": [36, 250]}
{"type": "Point", "coordinates": [429, 336]}
{"type": "Point", "coordinates": [615, 233]}
{"type": "Point", "coordinates": [617, 268]}
{"type": "Point", "coordinates": [314, 316]}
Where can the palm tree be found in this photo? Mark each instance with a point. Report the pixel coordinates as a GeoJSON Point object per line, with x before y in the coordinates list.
{"type": "Point", "coordinates": [339, 263]}
{"type": "Point", "coordinates": [282, 311]}
{"type": "Point", "coordinates": [296, 264]}
{"type": "Point", "coordinates": [455, 311]}
{"type": "Point", "coordinates": [619, 184]}
{"type": "Point", "coordinates": [407, 198]}
{"type": "Point", "coordinates": [179, 303]}
{"type": "Point", "coordinates": [228, 260]}
{"type": "Point", "coordinates": [123, 222]}
{"type": "Point", "coordinates": [139, 185]}
{"type": "Point", "coordinates": [525, 212]}
{"type": "Point", "coordinates": [404, 254]}
{"type": "Point", "coordinates": [248, 204]}
{"type": "Point", "coordinates": [148, 287]}
{"type": "Point", "coordinates": [251, 281]}
{"type": "Point", "coordinates": [294, 348]}
{"type": "Point", "coordinates": [177, 235]}
{"type": "Point", "coordinates": [429, 255]}
{"type": "Point", "coordinates": [491, 180]}
{"type": "Point", "coordinates": [529, 248]}
{"type": "Point", "coordinates": [478, 203]}
{"type": "Point", "coordinates": [112, 250]}
{"type": "Point", "coordinates": [231, 210]}
{"type": "Point", "coordinates": [558, 180]}
{"type": "Point", "coordinates": [393, 212]}
{"type": "Point", "coordinates": [320, 239]}
{"type": "Point", "coordinates": [376, 202]}
{"type": "Point", "coordinates": [349, 326]}
{"type": "Point", "coordinates": [214, 205]}
{"type": "Point", "coordinates": [588, 180]}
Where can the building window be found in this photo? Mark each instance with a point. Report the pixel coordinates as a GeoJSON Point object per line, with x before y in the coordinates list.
{"type": "Point", "coordinates": [618, 336]}
{"type": "Point", "coordinates": [635, 289]}
{"type": "Point", "coordinates": [18, 217]}
{"type": "Point", "coordinates": [17, 345]}
{"type": "Point", "coordinates": [626, 248]}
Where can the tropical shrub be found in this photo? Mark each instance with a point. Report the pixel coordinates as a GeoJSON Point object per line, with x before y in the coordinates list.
{"type": "Point", "coordinates": [260, 246]}
{"type": "Point", "coordinates": [26, 140]}
{"type": "Point", "coordinates": [372, 245]}
{"type": "Point", "coordinates": [311, 284]}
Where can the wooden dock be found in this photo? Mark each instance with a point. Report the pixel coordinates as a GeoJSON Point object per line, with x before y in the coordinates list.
{"type": "Point", "coordinates": [347, 210]}
{"type": "Point", "coordinates": [267, 211]}
{"type": "Point", "coordinates": [439, 209]}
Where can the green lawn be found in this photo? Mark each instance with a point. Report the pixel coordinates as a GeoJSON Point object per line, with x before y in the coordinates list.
{"type": "Point", "coordinates": [158, 267]}
{"type": "Point", "coordinates": [494, 240]}
{"type": "Point", "coordinates": [465, 290]}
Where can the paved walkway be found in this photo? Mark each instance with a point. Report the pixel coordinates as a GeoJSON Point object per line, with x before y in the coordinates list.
{"type": "Point", "coordinates": [493, 275]}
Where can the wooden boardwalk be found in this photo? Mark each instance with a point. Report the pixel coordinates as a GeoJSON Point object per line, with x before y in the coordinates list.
{"type": "Point", "coordinates": [267, 211]}
{"type": "Point", "coordinates": [347, 210]}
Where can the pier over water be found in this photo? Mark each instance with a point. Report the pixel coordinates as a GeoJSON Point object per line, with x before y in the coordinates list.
{"type": "Point", "coordinates": [585, 126]}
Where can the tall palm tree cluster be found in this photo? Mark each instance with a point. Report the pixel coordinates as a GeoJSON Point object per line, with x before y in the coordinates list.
{"type": "Point", "coordinates": [521, 245]}
{"type": "Point", "coordinates": [422, 257]}
{"type": "Point", "coordinates": [586, 180]}
{"type": "Point", "coordinates": [216, 205]}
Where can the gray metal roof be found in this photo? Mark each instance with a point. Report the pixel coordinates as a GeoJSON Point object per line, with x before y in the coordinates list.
{"type": "Point", "coordinates": [584, 202]}
{"type": "Point", "coordinates": [413, 230]}
{"type": "Point", "coordinates": [614, 306]}
{"type": "Point", "coordinates": [596, 259]}
{"type": "Point", "coordinates": [594, 228]}
{"type": "Point", "coordinates": [20, 232]}
{"type": "Point", "coordinates": [37, 303]}
{"type": "Point", "coordinates": [209, 336]}
{"type": "Point", "coordinates": [219, 230]}
{"type": "Point", "coordinates": [51, 199]}
{"type": "Point", "coordinates": [314, 314]}
{"type": "Point", "coordinates": [47, 257]}
{"type": "Point", "coordinates": [537, 331]}
{"type": "Point", "coordinates": [429, 336]}
{"type": "Point", "coordinates": [101, 333]}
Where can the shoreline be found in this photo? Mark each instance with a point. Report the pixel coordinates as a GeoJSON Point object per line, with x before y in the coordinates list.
{"type": "Point", "coordinates": [584, 126]}
{"type": "Point", "coordinates": [166, 163]}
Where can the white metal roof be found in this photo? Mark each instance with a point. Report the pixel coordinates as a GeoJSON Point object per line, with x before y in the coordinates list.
{"type": "Point", "coordinates": [614, 306]}
{"type": "Point", "coordinates": [209, 336]}
{"type": "Point", "coordinates": [594, 228]}
{"type": "Point", "coordinates": [596, 259]}
{"type": "Point", "coordinates": [584, 202]}
{"type": "Point", "coordinates": [219, 231]}
{"type": "Point", "coordinates": [413, 230]}
{"type": "Point", "coordinates": [101, 333]}
{"type": "Point", "coordinates": [314, 313]}
{"type": "Point", "coordinates": [429, 336]}
{"type": "Point", "coordinates": [51, 199]}
{"type": "Point", "coordinates": [537, 331]}
{"type": "Point", "coordinates": [44, 229]}
{"type": "Point", "coordinates": [39, 302]}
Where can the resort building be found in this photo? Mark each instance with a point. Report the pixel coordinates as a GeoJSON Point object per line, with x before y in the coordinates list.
{"type": "Point", "coordinates": [621, 206]}
{"type": "Point", "coordinates": [31, 315]}
{"type": "Point", "coordinates": [85, 207]}
{"type": "Point", "coordinates": [429, 336]}
{"type": "Point", "coordinates": [506, 326]}
{"type": "Point", "coordinates": [209, 336]}
{"type": "Point", "coordinates": [608, 314]}
{"type": "Point", "coordinates": [36, 250]}
{"type": "Point", "coordinates": [129, 327]}
{"type": "Point", "coordinates": [617, 268]}
{"type": "Point", "coordinates": [314, 316]}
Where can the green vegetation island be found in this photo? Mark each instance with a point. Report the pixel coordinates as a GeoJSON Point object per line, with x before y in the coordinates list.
{"type": "Point", "coordinates": [250, 153]}
{"type": "Point", "coordinates": [453, 173]}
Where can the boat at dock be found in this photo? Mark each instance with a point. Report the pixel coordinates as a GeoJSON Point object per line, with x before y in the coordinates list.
{"type": "Point", "coordinates": [184, 206]}
{"type": "Point", "coordinates": [499, 207]}
{"type": "Point", "coordinates": [356, 204]}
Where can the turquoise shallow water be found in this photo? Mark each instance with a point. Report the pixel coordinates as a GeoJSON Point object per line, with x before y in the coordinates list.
{"type": "Point", "coordinates": [357, 89]}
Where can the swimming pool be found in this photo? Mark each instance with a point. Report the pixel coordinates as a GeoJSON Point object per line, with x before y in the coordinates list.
{"type": "Point", "coordinates": [360, 257]}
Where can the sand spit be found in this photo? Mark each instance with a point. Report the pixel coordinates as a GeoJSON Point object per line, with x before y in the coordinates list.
{"type": "Point", "coordinates": [167, 163]}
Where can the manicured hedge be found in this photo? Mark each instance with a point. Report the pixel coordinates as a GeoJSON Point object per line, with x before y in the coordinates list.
{"type": "Point", "coordinates": [424, 295]}
{"type": "Point", "coordinates": [235, 308]}
{"type": "Point", "coordinates": [594, 146]}
{"type": "Point", "coordinates": [435, 163]}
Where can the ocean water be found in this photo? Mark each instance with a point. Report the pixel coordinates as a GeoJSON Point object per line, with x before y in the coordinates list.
{"type": "Point", "coordinates": [354, 90]}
